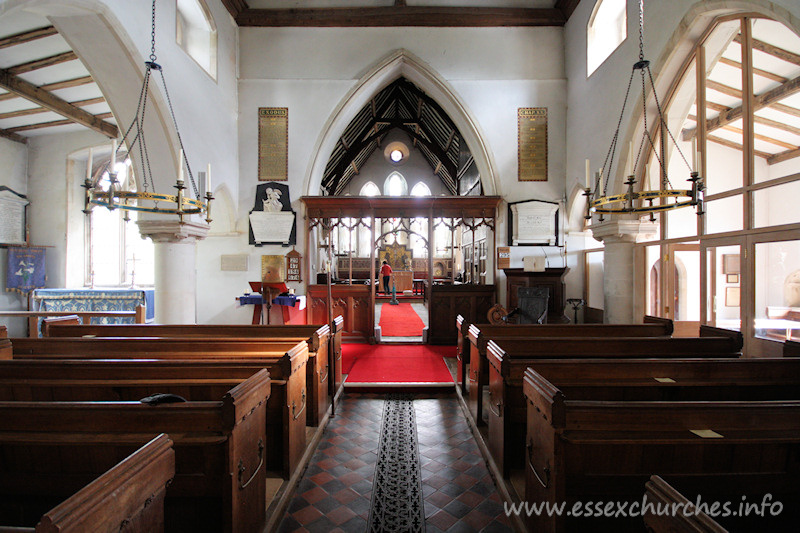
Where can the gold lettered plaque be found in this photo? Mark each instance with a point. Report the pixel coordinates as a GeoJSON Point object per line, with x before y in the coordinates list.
{"type": "Point", "coordinates": [294, 268]}
{"type": "Point", "coordinates": [532, 143]}
{"type": "Point", "coordinates": [273, 143]}
{"type": "Point", "coordinates": [273, 268]}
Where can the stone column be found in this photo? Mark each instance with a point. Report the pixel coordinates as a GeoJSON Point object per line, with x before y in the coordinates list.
{"type": "Point", "coordinates": [619, 268]}
{"type": "Point", "coordinates": [175, 251]}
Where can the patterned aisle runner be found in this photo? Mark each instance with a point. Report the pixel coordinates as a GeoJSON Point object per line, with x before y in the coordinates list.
{"type": "Point", "coordinates": [397, 504]}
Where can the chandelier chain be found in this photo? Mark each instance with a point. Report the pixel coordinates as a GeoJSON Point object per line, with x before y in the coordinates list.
{"type": "Point", "coordinates": [641, 30]}
{"type": "Point", "coordinates": [153, 32]}
{"type": "Point", "coordinates": [180, 140]}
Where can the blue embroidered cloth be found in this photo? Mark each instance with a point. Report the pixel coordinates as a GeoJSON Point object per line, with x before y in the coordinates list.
{"type": "Point", "coordinates": [26, 269]}
{"type": "Point", "coordinates": [74, 300]}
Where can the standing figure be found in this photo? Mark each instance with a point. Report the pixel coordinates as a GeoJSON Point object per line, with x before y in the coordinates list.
{"type": "Point", "coordinates": [386, 272]}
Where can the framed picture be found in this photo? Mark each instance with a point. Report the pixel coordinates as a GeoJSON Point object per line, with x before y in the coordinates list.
{"type": "Point", "coordinates": [732, 297]}
{"type": "Point", "coordinates": [732, 278]}
{"type": "Point", "coordinates": [730, 264]}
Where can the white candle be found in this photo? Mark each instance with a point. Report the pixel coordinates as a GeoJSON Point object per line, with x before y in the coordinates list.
{"type": "Point", "coordinates": [180, 167]}
{"type": "Point", "coordinates": [208, 178]}
{"type": "Point", "coordinates": [588, 175]}
{"type": "Point", "coordinates": [113, 154]}
{"type": "Point", "coordinates": [89, 162]}
{"type": "Point", "coordinates": [695, 157]}
{"type": "Point", "coordinates": [629, 164]}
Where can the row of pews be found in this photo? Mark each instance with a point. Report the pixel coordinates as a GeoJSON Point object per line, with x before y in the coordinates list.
{"type": "Point", "coordinates": [602, 413]}
{"type": "Point", "coordinates": [224, 412]}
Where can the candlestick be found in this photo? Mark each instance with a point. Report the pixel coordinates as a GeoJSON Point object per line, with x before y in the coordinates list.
{"type": "Point", "coordinates": [208, 178]}
{"type": "Point", "coordinates": [180, 167]}
{"type": "Point", "coordinates": [588, 175]}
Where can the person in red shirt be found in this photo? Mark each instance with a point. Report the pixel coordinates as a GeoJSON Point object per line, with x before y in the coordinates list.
{"type": "Point", "coordinates": [386, 272]}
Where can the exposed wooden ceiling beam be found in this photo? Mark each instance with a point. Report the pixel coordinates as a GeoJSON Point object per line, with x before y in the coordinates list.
{"type": "Point", "coordinates": [783, 156]}
{"type": "Point", "coordinates": [786, 109]}
{"type": "Point", "coordinates": [27, 36]}
{"type": "Point", "coordinates": [13, 136]}
{"type": "Point", "coordinates": [757, 71]}
{"type": "Point", "coordinates": [42, 63]}
{"type": "Point", "coordinates": [42, 125]}
{"type": "Point", "coordinates": [235, 7]}
{"type": "Point", "coordinates": [777, 125]}
{"type": "Point", "coordinates": [75, 82]}
{"type": "Point", "coordinates": [38, 110]}
{"type": "Point", "coordinates": [736, 146]}
{"type": "Point", "coordinates": [428, 16]}
{"type": "Point", "coordinates": [765, 138]}
{"type": "Point", "coordinates": [46, 99]}
{"type": "Point", "coordinates": [567, 7]}
{"type": "Point", "coordinates": [768, 99]}
{"type": "Point", "coordinates": [772, 50]}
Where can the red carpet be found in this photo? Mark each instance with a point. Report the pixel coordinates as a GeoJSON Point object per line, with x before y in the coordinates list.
{"type": "Point", "coordinates": [383, 363]}
{"type": "Point", "coordinates": [400, 321]}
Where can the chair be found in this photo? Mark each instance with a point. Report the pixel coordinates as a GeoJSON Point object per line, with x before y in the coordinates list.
{"type": "Point", "coordinates": [532, 305]}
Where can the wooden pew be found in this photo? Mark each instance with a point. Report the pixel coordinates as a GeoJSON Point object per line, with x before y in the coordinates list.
{"type": "Point", "coordinates": [582, 450]}
{"type": "Point", "coordinates": [130, 494]}
{"type": "Point", "coordinates": [479, 335]}
{"type": "Point", "coordinates": [791, 349]}
{"type": "Point", "coordinates": [219, 449]}
{"type": "Point", "coordinates": [337, 326]}
{"type": "Point", "coordinates": [318, 338]}
{"type": "Point", "coordinates": [462, 353]}
{"type": "Point", "coordinates": [660, 493]}
{"type": "Point", "coordinates": [508, 359]}
{"type": "Point", "coordinates": [285, 361]}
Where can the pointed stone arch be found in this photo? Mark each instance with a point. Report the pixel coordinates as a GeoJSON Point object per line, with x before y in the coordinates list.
{"type": "Point", "coordinates": [402, 63]}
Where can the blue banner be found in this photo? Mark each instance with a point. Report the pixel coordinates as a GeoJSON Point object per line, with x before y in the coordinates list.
{"type": "Point", "coordinates": [26, 269]}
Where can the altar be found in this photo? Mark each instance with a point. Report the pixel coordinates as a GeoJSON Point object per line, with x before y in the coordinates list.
{"type": "Point", "coordinates": [403, 280]}
{"type": "Point", "coordinates": [95, 300]}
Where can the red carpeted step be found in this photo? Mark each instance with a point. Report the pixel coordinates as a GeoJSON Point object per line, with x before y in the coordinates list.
{"type": "Point", "coordinates": [382, 363]}
{"type": "Point", "coordinates": [400, 321]}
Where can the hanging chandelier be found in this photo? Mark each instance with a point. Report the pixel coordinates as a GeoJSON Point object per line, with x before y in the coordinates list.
{"type": "Point", "coordinates": [149, 201]}
{"type": "Point", "coordinates": [643, 201]}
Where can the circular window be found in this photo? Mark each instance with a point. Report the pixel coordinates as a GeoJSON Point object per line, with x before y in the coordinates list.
{"type": "Point", "coordinates": [396, 152]}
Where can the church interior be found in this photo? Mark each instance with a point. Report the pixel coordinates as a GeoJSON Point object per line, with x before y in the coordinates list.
{"type": "Point", "coordinates": [399, 265]}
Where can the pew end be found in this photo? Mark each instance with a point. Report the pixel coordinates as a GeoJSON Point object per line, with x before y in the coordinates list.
{"type": "Point", "coordinates": [660, 493]}
{"type": "Point", "coordinates": [735, 336]}
{"type": "Point", "coordinates": [667, 323]}
{"type": "Point", "coordinates": [132, 492]}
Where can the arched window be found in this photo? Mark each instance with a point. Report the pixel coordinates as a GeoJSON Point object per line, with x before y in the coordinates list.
{"type": "Point", "coordinates": [197, 34]}
{"type": "Point", "coordinates": [370, 189]}
{"type": "Point", "coordinates": [606, 30]}
{"type": "Point", "coordinates": [420, 189]}
{"type": "Point", "coordinates": [395, 185]}
{"type": "Point", "coordinates": [117, 255]}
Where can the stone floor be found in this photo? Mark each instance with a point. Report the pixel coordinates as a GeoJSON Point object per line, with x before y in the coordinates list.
{"type": "Point", "coordinates": [336, 489]}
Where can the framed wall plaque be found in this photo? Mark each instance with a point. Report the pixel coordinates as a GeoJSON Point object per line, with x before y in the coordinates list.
{"type": "Point", "coordinates": [273, 144]}
{"type": "Point", "coordinates": [532, 143]}
{"type": "Point", "coordinates": [294, 269]}
{"type": "Point", "coordinates": [273, 269]}
{"type": "Point", "coordinates": [12, 217]}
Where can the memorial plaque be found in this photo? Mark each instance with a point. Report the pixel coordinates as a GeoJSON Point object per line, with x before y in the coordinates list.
{"type": "Point", "coordinates": [532, 143]}
{"type": "Point", "coordinates": [534, 222]}
{"type": "Point", "coordinates": [12, 217]}
{"type": "Point", "coordinates": [273, 143]}
{"type": "Point", "coordinates": [234, 263]}
{"type": "Point", "coordinates": [272, 227]}
{"type": "Point", "coordinates": [294, 270]}
{"type": "Point", "coordinates": [503, 257]}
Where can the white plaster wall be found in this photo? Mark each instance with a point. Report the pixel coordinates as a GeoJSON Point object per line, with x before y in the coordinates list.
{"type": "Point", "coordinates": [492, 70]}
{"type": "Point", "coordinates": [52, 190]}
{"type": "Point", "coordinates": [14, 160]}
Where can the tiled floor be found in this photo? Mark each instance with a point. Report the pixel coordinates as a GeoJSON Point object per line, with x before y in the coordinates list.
{"type": "Point", "coordinates": [335, 492]}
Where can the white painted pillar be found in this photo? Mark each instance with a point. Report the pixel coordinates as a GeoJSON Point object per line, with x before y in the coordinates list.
{"type": "Point", "coordinates": [619, 267]}
{"type": "Point", "coordinates": [175, 251]}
